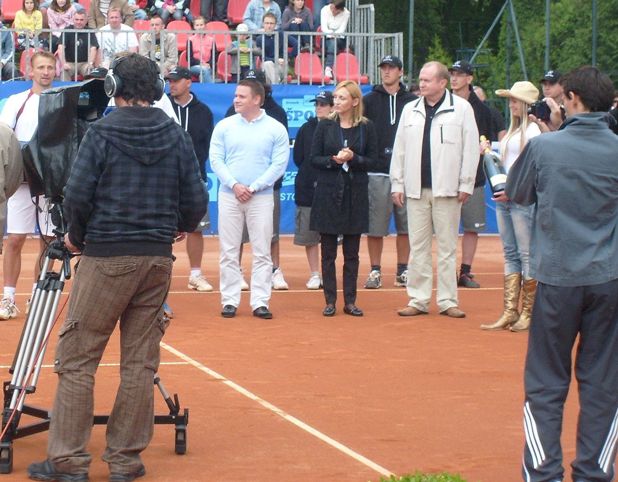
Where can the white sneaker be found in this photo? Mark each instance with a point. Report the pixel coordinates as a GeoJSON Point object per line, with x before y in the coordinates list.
{"type": "Point", "coordinates": [8, 309]}
{"type": "Point", "coordinates": [328, 72]}
{"type": "Point", "coordinates": [401, 280]}
{"type": "Point", "coordinates": [374, 280]}
{"type": "Point", "coordinates": [278, 280]}
{"type": "Point", "coordinates": [314, 283]}
{"type": "Point", "coordinates": [244, 286]}
{"type": "Point", "coordinates": [199, 283]}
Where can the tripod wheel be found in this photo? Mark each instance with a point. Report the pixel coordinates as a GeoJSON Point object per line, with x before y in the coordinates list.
{"type": "Point", "coordinates": [6, 457]}
{"type": "Point", "coordinates": [180, 446]}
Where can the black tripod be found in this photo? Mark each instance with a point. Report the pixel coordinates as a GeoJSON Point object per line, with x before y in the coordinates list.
{"type": "Point", "coordinates": [28, 359]}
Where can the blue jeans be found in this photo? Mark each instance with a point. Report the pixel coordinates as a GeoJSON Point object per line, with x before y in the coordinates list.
{"type": "Point", "coordinates": [514, 225]}
{"type": "Point", "coordinates": [203, 72]}
{"type": "Point", "coordinates": [317, 7]}
{"type": "Point", "coordinates": [332, 45]}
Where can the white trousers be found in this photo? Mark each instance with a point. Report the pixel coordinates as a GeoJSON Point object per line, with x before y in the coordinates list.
{"type": "Point", "coordinates": [428, 215]}
{"type": "Point", "coordinates": [257, 213]}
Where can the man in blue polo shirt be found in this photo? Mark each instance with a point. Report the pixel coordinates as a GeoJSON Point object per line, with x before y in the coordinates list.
{"type": "Point", "coordinates": [249, 151]}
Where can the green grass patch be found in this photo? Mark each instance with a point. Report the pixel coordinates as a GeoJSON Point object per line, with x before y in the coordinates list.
{"type": "Point", "coordinates": [418, 477]}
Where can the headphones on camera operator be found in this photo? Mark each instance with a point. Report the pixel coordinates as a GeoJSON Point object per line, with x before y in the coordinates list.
{"type": "Point", "coordinates": [113, 83]}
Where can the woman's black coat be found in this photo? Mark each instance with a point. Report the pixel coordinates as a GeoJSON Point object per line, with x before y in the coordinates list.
{"type": "Point", "coordinates": [341, 201]}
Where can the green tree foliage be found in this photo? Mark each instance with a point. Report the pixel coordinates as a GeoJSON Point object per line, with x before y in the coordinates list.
{"type": "Point", "coordinates": [448, 29]}
{"type": "Point", "coordinates": [438, 52]}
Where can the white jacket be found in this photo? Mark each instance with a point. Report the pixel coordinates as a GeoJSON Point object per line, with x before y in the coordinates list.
{"type": "Point", "coordinates": [454, 149]}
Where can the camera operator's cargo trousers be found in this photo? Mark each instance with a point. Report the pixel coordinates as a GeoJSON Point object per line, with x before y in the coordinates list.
{"type": "Point", "coordinates": [130, 289]}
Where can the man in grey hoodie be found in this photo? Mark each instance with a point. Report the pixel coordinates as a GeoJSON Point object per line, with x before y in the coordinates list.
{"type": "Point", "coordinates": [572, 176]}
{"type": "Point", "coordinates": [134, 186]}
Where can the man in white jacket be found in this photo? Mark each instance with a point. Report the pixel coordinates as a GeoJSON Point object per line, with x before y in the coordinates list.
{"type": "Point", "coordinates": [433, 168]}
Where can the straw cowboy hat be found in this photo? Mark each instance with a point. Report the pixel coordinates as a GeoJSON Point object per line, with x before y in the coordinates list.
{"type": "Point", "coordinates": [524, 91]}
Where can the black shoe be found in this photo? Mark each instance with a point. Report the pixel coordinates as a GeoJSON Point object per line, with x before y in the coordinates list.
{"type": "Point", "coordinates": [329, 310]}
{"type": "Point", "coordinates": [466, 281]}
{"type": "Point", "coordinates": [352, 310]}
{"type": "Point", "coordinates": [228, 311]}
{"type": "Point", "coordinates": [46, 471]}
{"type": "Point", "coordinates": [127, 477]}
{"type": "Point", "coordinates": [262, 312]}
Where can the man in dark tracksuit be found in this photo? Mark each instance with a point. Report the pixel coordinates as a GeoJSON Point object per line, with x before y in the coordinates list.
{"type": "Point", "coordinates": [572, 175]}
{"type": "Point", "coordinates": [196, 118]}
{"type": "Point", "coordinates": [473, 211]}
{"type": "Point", "coordinates": [134, 186]}
{"type": "Point", "coordinates": [383, 105]}
{"type": "Point", "coordinates": [304, 187]}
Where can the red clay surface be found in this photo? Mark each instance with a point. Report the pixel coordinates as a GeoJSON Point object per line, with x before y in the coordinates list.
{"type": "Point", "coordinates": [428, 393]}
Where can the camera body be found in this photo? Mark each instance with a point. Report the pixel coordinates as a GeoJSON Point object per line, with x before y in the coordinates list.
{"type": "Point", "coordinates": [65, 113]}
{"type": "Point", "coordinates": [540, 110]}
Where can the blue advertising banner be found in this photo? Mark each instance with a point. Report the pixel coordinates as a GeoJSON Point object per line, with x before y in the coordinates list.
{"type": "Point", "coordinates": [296, 101]}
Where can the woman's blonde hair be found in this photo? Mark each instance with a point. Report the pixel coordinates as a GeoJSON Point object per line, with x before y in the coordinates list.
{"type": "Point", "coordinates": [518, 124]}
{"type": "Point", "coordinates": [355, 92]}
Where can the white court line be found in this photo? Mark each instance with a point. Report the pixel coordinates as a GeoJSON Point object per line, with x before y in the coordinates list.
{"type": "Point", "coordinates": [277, 411]}
{"type": "Point", "coordinates": [7, 367]}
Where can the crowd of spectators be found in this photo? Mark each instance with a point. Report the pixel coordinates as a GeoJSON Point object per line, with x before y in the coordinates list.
{"type": "Point", "coordinates": [258, 41]}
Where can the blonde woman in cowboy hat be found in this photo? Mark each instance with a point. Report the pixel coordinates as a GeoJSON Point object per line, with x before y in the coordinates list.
{"type": "Point", "coordinates": [515, 220]}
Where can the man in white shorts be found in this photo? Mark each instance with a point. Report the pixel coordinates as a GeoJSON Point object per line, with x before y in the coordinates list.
{"type": "Point", "coordinates": [383, 105]}
{"type": "Point", "coordinates": [21, 113]}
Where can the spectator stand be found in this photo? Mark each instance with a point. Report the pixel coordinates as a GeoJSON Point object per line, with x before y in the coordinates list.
{"type": "Point", "coordinates": [363, 53]}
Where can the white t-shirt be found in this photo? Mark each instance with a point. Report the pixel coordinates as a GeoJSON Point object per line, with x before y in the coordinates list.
{"type": "Point", "coordinates": [112, 42]}
{"type": "Point", "coordinates": [28, 121]}
{"type": "Point", "coordinates": [330, 23]}
{"type": "Point", "coordinates": [513, 148]}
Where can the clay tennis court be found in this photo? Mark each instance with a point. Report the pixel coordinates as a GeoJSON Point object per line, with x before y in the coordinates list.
{"type": "Point", "coordinates": [302, 397]}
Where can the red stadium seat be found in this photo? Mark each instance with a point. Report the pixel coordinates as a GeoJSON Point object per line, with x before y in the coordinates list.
{"type": "Point", "coordinates": [236, 10]}
{"type": "Point", "coordinates": [10, 8]}
{"type": "Point", "coordinates": [181, 38]}
{"type": "Point", "coordinates": [222, 38]}
{"type": "Point", "coordinates": [224, 67]}
{"type": "Point", "coordinates": [195, 8]}
{"type": "Point", "coordinates": [141, 26]}
{"type": "Point", "coordinates": [346, 68]}
{"type": "Point", "coordinates": [308, 68]}
{"type": "Point", "coordinates": [182, 60]}
{"type": "Point", "coordinates": [24, 62]}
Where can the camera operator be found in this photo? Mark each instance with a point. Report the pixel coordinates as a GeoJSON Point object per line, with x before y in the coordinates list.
{"type": "Point", "coordinates": [571, 177]}
{"type": "Point", "coordinates": [21, 113]}
{"type": "Point", "coordinates": [134, 185]}
{"type": "Point", "coordinates": [549, 113]}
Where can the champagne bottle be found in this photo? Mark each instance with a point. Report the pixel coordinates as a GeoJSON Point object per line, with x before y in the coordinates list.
{"type": "Point", "coordinates": [494, 170]}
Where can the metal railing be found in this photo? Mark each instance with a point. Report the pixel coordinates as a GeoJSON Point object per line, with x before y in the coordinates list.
{"type": "Point", "coordinates": [368, 49]}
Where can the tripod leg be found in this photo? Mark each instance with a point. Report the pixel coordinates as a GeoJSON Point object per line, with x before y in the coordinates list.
{"type": "Point", "coordinates": [6, 457]}
{"type": "Point", "coordinates": [180, 421]}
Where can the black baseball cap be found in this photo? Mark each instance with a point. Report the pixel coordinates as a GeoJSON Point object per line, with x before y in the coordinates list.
{"type": "Point", "coordinates": [551, 76]}
{"type": "Point", "coordinates": [391, 60]}
{"type": "Point", "coordinates": [324, 97]}
{"type": "Point", "coordinates": [258, 75]}
{"type": "Point", "coordinates": [462, 66]}
{"type": "Point", "coordinates": [178, 73]}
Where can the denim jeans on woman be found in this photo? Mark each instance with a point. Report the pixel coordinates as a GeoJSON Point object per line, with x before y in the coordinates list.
{"type": "Point", "coordinates": [514, 225]}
